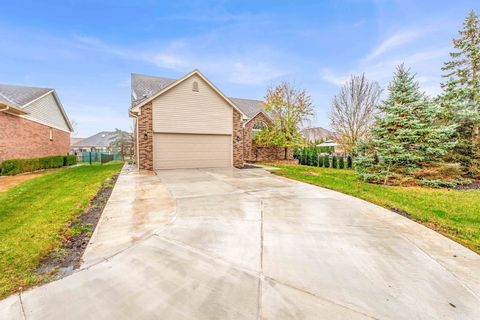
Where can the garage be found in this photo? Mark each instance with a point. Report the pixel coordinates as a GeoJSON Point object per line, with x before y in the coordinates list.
{"type": "Point", "coordinates": [185, 123]}
{"type": "Point", "coordinates": [191, 150]}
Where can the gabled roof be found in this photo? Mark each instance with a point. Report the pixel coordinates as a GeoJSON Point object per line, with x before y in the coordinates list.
{"type": "Point", "coordinates": [250, 107]}
{"type": "Point", "coordinates": [101, 139]}
{"type": "Point", "coordinates": [145, 88]}
{"type": "Point", "coordinates": [18, 97]}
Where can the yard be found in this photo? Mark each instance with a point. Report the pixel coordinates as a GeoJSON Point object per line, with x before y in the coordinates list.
{"type": "Point", "coordinates": [35, 214]}
{"type": "Point", "coordinates": [454, 213]}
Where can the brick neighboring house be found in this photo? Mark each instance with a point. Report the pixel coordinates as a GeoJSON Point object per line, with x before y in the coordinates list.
{"type": "Point", "coordinates": [33, 123]}
{"type": "Point", "coordinates": [189, 123]}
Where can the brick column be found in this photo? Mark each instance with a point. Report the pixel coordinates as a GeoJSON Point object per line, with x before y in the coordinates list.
{"type": "Point", "coordinates": [145, 146]}
{"type": "Point", "coordinates": [237, 138]}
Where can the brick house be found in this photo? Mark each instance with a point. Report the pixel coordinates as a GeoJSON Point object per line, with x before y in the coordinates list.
{"type": "Point", "coordinates": [33, 123]}
{"type": "Point", "coordinates": [189, 123]}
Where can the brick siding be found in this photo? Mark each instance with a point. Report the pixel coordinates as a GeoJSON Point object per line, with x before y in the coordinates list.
{"type": "Point", "coordinates": [249, 149]}
{"type": "Point", "coordinates": [22, 138]}
{"type": "Point", "coordinates": [271, 153]}
{"type": "Point", "coordinates": [145, 146]}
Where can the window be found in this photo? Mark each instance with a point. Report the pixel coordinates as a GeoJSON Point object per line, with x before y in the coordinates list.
{"type": "Point", "coordinates": [195, 86]}
{"type": "Point", "coordinates": [50, 133]}
{"type": "Point", "coordinates": [257, 127]}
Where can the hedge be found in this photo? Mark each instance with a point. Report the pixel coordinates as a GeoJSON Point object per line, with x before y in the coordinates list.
{"type": "Point", "coordinates": [16, 166]}
{"type": "Point", "coordinates": [69, 160]}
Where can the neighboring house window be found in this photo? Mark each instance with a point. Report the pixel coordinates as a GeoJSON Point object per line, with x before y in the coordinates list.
{"type": "Point", "coordinates": [257, 127]}
{"type": "Point", "coordinates": [50, 133]}
{"type": "Point", "coordinates": [195, 86]}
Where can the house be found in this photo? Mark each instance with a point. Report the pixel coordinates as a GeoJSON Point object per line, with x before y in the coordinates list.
{"type": "Point", "coordinates": [33, 123]}
{"type": "Point", "coordinates": [98, 142]}
{"type": "Point", "coordinates": [190, 123]}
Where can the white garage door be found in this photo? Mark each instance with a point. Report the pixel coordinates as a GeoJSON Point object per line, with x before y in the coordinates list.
{"type": "Point", "coordinates": [172, 151]}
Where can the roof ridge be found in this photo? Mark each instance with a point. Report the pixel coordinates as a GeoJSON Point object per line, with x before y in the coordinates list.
{"type": "Point", "coordinates": [246, 99]}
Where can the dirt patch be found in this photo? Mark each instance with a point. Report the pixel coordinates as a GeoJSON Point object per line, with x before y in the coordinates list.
{"type": "Point", "coordinates": [249, 166]}
{"type": "Point", "coordinates": [469, 186]}
{"type": "Point", "coordinates": [64, 260]}
{"type": "Point", "coordinates": [6, 182]}
{"type": "Point", "coordinates": [402, 213]}
{"type": "Point", "coordinates": [311, 173]}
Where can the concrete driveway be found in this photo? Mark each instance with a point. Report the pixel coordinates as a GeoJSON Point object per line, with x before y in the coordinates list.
{"type": "Point", "coordinates": [245, 244]}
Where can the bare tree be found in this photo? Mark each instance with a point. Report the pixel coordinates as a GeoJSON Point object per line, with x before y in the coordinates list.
{"type": "Point", "coordinates": [290, 107]}
{"type": "Point", "coordinates": [123, 143]}
{"type": "Point", "coordinates": [353, 110]}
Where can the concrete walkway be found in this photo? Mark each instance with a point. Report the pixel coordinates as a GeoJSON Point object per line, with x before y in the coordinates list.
{"type": "Point", "coordinates": [245, 244]}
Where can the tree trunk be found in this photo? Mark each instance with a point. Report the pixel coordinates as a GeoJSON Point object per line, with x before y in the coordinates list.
{"type": "Point", "coordinates": [286, 152]}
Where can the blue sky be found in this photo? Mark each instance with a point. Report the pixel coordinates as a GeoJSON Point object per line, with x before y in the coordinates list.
{"type": "Point", "coordinates": [87, 49]}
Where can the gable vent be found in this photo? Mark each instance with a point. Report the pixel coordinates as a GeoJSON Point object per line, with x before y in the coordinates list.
{"type": "Point", "coordinates": [195, 86]}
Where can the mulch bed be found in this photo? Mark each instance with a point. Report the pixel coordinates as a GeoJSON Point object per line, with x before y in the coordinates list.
{"type": "Point", "coordinates": [64, 260]}
{"type": "Point", "coordinates": [470, 186]}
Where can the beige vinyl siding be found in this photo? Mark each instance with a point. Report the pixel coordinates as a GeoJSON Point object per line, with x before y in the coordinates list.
{"type": "Point", "coordinates": [47, 111]}
{"type": "Point", "coordinates": [182, 110]}
{"type": "Point", "coordinates": [172, 151]}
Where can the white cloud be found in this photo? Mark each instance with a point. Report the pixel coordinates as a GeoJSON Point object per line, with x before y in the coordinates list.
{"type": "Point", "coordinates": [399, 39]}
{"type": "Point", "coordinates": [252, 65]}
{"type": "Point", "coordinates": [408, 46]}
{"type": "Point", "coordinates": [336, 79]}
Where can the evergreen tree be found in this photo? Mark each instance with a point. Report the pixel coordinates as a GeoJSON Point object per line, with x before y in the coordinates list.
{"type": "Point", "coordinates": [407, 134]}
{"type": "Point", "coordinates": [461, 94]}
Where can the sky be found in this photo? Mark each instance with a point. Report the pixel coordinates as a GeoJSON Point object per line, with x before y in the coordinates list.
{"type": "Point", "coordinates": [87, 49]}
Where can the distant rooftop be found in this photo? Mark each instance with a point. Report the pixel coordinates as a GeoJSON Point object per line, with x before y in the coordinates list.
{"type": "Point", "coordinates": [99, 140]}
{"type": "Point", "coordinates": [317, 134]}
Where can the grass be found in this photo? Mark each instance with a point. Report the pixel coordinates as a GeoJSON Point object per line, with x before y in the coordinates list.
{"type": "Point", "coordinates": [454, 213]}
{"type": "Point", "coordinates": [35, 214]}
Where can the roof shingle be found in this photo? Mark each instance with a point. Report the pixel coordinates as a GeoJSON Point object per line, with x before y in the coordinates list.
{"type": "Point", "coordinates": [19, 96]}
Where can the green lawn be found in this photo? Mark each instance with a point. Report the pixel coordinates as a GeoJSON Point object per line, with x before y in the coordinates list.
{"type": "Point", "coordinates": [34, 214]}
{"type": "Point", "coordinates": [453, 213]}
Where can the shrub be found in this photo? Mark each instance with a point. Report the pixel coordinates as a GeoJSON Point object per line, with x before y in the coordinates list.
{"type": "Point", "coordinates": [341, 163]}
{"type": "Point", "coordinates": [69, 160]}
{"type": "Point", "coordinates": [16, 166]}
{"type": "Point", "coordinates": [349, 162]}
{"type": "Point", "coordinates": [326, 161]}
{"type": "Point", "coordinates": [334, 162]}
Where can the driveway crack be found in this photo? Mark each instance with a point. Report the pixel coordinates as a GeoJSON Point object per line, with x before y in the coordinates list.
{"type": "Point", "coordinates": [261, 277]}
{"type": "Point", "coordinates": [21, 305]}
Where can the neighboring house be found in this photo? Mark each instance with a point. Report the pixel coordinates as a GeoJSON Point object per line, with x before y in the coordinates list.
{"type": "Point", "coordinates": [322, 138]}
{"type": "Point", "coordinates": [98, 142]}
{"type": "Point", "coordinates": [33, 123]}
{"type": "Point", "coordinates": [189, 123]}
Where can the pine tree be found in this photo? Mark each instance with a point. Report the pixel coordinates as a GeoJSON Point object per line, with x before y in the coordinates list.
{"type": "Point", "coordinates": [461, 94]}
{"type": "Point", "coordinates": [407, 134]}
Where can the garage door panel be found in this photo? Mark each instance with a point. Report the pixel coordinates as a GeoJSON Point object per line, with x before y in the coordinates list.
{"type": "Point", "coordinates": [191, 151]}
